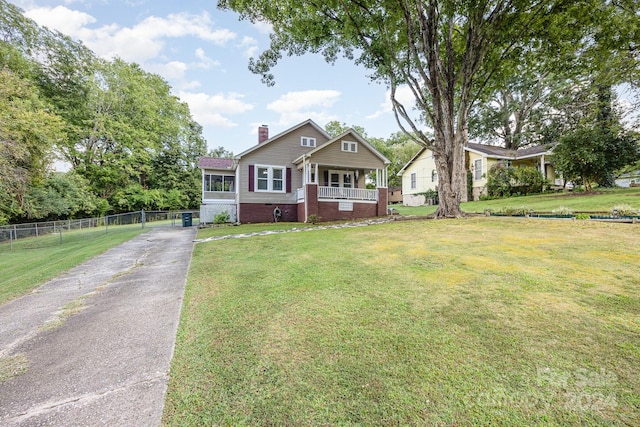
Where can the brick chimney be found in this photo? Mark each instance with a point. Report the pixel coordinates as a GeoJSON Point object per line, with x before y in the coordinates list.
{"type": "Point", "coordinates": [263, 133]}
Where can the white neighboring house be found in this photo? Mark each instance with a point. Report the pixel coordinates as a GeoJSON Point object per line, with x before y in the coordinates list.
{"type": "Point", "coordinates": [629, 179]}
{"type": "Point", "coordinates": [419, 175]}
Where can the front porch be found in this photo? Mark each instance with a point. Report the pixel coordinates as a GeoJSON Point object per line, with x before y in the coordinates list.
{"type": "Point", "coordinates": [326, 193]}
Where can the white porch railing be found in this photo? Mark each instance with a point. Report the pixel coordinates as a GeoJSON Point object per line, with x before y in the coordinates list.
{"type": "Point", "coordinates": [341, 193]}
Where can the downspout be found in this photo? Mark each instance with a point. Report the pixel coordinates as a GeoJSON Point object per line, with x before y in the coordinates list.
{"type": "Point", "coordinates": [304, 183]}
{"type": "Point", "coordinates": [237, 165]}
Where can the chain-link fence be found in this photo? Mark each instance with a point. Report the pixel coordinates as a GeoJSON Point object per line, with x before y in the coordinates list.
{"type": "Point", "coordinates": [41, 234]}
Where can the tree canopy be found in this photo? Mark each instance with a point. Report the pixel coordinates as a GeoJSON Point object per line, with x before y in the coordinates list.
{"type": "Point", "coordinates": [129, 141]}
{"type": "Point", "coordinates": [446, 52]}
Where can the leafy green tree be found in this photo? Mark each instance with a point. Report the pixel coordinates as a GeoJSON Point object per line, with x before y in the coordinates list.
{"type": "Point", "coordinates": [63, 196]}
{"type": "Point", "coordinates": [220, 153]}
{"type": "Point", "coordinates": [335, 128]}
{"type": "Point", "coordinates": [28, 132]}
{"type": "Point", "coordinates": [119, 125]}
{"type": "Point", "coordinates": [444, 51]}
{"type": "Point", "coordinates": [594, 151]}
{"type": "Point", "coordinates": [590, 154]}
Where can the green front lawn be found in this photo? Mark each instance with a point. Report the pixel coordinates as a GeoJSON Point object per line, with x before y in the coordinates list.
{"type": "Point", "coordinates": [481, 321]}
{"type": "Point", "coordinates": [35, 260]}
{"type": "Point", "coordinates": [601, 201]}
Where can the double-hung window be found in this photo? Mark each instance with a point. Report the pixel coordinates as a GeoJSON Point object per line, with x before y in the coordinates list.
{"type": "Point", "coordinates": [349, 146]}
{"type": "Point", "coordinates": [477, 169]}
{"type": "Point", "coordinates": [270, 178]}
{"type": "Point", "coordinates": [307, 141]}
{"type": "Point", "coordinates": [413, 180]}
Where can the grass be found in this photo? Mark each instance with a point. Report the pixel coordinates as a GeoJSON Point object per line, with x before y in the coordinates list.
{"type": "Point", "coordinates": [602, 201]}
{"type": "Point", "coordinates": [34, 261]}
{"type": "Point", "coordinates": [481, 321]}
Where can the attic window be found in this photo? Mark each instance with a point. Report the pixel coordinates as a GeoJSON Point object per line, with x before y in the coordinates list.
{"type": "Point", "coordinates": [349, 146]}
{"type": "Point", "coordinates": [307, 141]}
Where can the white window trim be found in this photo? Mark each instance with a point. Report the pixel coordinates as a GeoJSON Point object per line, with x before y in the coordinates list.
{"type": "Point", "coordinates": [270, 169]}
{"type": "Point", "coordinates": [352, 147]}
{"type": "Point", "coordinates": [477, 169]}
{"type": "Point", "coordinates": [307, 141]}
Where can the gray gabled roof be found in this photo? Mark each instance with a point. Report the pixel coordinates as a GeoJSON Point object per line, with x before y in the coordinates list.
{"type": "Point", "coordinates": [495, 152]}
{"type": "Point", "coordinates": [503, 153]}
{"type": "Point", "coordinates": [351, 131]}
{"type": "Point", "coordinates": [298, 126]}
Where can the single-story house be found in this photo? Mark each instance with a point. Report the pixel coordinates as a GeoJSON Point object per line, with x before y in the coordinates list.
{"type": "Point", "coordinates": [420, 175]}
{"type": "Point", "coordinates": [302, 174]}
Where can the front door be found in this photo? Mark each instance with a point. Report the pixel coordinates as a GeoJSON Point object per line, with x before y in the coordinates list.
{"type": "Point", "coordinates": [342, 179]}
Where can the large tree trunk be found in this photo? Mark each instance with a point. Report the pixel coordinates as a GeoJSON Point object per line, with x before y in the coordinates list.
{"type": "Point", "coordinates": [452, 176]}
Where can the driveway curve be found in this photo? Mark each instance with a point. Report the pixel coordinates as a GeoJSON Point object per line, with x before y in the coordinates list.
{"type": "Point", "coordinates": [94, 346]}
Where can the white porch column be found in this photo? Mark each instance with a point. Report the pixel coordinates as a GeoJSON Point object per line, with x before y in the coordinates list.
{"type": "Point", "coordinates": [316, 175]}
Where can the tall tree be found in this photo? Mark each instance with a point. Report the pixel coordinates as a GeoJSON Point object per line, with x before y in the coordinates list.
{"type": "Point", "coordinates": [445, 51]}
{"type": "Point", "coordinates": [592, 152]}
{"type": "Point", "coordinates": [28, 132]}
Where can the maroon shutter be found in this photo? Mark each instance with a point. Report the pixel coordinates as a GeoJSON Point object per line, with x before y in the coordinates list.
{"type": "Point", "coordinates": [326, 178]}
{"type": "Point", "coordinates": [288, 180]}
{"type": "Point", "coordinates": [251, 178]}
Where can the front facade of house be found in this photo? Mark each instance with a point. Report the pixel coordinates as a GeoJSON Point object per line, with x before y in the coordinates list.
{"type": "Point", "coordinates": [419, 175]}
{"type": "Point", "coordinates": [298, 175]}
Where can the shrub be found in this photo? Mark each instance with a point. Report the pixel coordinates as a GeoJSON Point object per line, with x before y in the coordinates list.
{"type": "Point", "coordinates": [562, 210]}
{"type": "Point", "coordinates": [505, 181]}
{"type": "Point", "coordinates": [623, 210]}
{"type": "Point", "coordinates": [513, 211]}
{"type": "Point", "coordinates": [432, 194]}
{"type": "Point", "coordinates": [499, 181]}
{"type": "Point", "coordinates": [529, 180]}
{"type": "Point", "coordinates": [583, 216]}
{"type": "Point", "coordinates": [312, 219]}
{"type": "Point", "coordinates": [222, 218]}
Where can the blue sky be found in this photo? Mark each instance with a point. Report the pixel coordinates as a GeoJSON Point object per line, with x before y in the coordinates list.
{"type": "Point", "coordinates": [203, 53]}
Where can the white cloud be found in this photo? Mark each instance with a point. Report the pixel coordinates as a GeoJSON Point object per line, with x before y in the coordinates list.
{"type": "Point", "coordinates": [173, 70]}
{"type": "Point", "coordinates": [67, 21]}
{"type": "Point", "coordinates": [213, 109]}
{"type": "Point", "coordinates": [263, 27]}
{"type": "Point", "coordinates": [250, 46]}
{"type": "Point", "coordinates": [403, 95]}
{"type": "Point", "coordinates": [205, 62]}
{"type": "Point", "coordinates": [295, 107]}
{"type": "Point", "coordinates": [139, 43]}
{"type": "Point", "coordinates": [295, 101]}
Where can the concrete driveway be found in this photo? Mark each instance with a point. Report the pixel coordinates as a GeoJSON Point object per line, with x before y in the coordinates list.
{"type": "Point", "coordinates": [93, 347]}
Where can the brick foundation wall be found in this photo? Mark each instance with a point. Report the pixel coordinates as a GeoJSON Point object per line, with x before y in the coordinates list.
{"type": "Point", "coordinates": [263, 212]}
{"type": "Point", "coordinates": [328, 211]}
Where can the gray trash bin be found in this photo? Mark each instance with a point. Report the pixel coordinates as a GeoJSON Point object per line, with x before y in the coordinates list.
{"type": "Point", "coordinates": [187, 219]}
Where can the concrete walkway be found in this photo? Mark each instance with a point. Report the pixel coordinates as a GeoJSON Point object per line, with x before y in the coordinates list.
{"type": "Point", "coordinates": [93, 347]}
